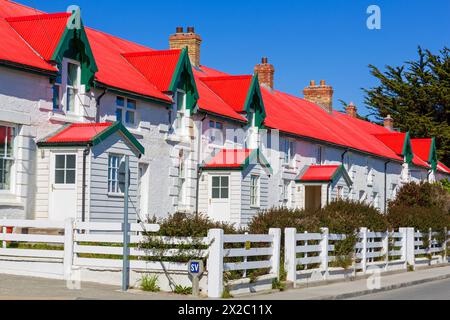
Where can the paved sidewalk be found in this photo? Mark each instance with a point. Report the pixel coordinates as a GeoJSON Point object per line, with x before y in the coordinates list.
{"type": "Point", "coordinates": [28, 288]}
{"type": "Point", "coordinates": [359, 288]}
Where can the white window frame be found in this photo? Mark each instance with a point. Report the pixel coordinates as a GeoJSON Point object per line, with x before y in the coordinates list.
{"type": "Point", "coordinates": [340, 193]}
{"type": "Point", "coordinates": [181, 113]}
{"type": "Point", "coordinates": [182, 180]}
{"type": "Point", "coordinates": [213, 129]}
{"type": "Point", "coordinates": [116, 168]}
{"type": "Point", "coordinates": [376, 200]}
{"type": "Point", "coordinates": [63, 88]}
{"type": "Point", "coordinates": [221, 187]}
{"type": "Point", "coordinates": [319, 155]}
{"type": "Point", "coordinates": [288, 146]}
{"type": "Point", "coordinates": [125, 109]}
{"type": "Point", "coordinates": [255, 191]}
{"type": "Point", "coordinates": [286, 194]}
{"type": "Point", "coordinates": [12, 158]}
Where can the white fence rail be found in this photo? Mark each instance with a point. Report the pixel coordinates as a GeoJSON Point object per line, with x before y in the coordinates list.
{"type": "Point", "coordinates": [56, 249]}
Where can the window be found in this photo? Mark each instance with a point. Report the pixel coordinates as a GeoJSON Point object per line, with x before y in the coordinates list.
{"type": "Point", "coordinates": [215, 132]}
{"type": "Point", "coordinates": [126, 111]}
{"type": "Point", "coordinates": [181, 111]}
{"type": "Point", "coordinates": [286, 192]}
{"type": "Point", "coordinates": [288, 149]}
{"type": "Point", "coordinates": [254, 191]}
{"type": "Point", "coordinates": [220, 187]}
{"type": "Point", "coordinates": [181, 178]}
{"type": "Point", "coordinates": [319, 155]}
{"type": "Point", "coordinates": [376, 200]}
{"type": "Point", "coordinates": [340, 193]}
{"type": "Point", "coordinates": [67, 87]}
{"type": "Point", "coordinates": [6, 156]}
{"type": "Point", "coordinates": [114, 162]}
{"type": "Point", "coordinates": [65, 169]}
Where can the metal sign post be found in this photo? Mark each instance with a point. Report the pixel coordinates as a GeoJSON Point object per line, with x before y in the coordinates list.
{"type": "Point", "coordinates": [196, 270]}
{"type": "Point", "coordinates": [126, 228]}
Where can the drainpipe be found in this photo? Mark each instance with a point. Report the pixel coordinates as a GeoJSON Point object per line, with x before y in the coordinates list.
{"type": "Point", "coordinates": [86, 153]}
{"type": "Point", "coordinates": [385, 186]}
{"type": "Point", "coordinates": [97, 101]}
{"type": "Point", "coordinates": [343, 155]}
{"type": "Point", "coordinates": [199, 168]}
{"type": "Point", "coordinates": [328, 194]}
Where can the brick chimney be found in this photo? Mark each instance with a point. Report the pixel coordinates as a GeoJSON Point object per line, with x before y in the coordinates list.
{"type": "Point", "coordinates": [321, 95]}
{"type": "Point", "coordinates": [265, 72]}
{"type": "Point", "coordinates": [389, 123]}
{"type": "Point", "coordinates": [351, 110]}
{"type": "Point", "coordinates": [189, 39]}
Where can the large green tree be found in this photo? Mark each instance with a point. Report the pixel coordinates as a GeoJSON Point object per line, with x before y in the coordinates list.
{"type": "Point", "coordinates": [417, 96]}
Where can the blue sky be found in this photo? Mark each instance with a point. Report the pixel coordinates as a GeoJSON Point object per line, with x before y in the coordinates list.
{"type": "Point", "coordinates": [305, 40]}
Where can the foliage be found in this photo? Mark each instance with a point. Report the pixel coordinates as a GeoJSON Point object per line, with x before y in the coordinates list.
{"type": "Point", "coordinates": [193, 225]}
{"type": "Point", "coordinates": [278, 285]}
{"type": "Point", "coordinates": [421, 206]}
{"type": "Point", "coordinates": [446, 185]}
{"type": "Point", "coordinates": [183, 290]}
{"type": "Point", "coordinates": [150, 283]}
{"type": "Point", "coordinates": [344, 251]}
{"type": "Point", "coordinates": [226, 293]}
{"type": "Point", "coordinates": [417, 96]}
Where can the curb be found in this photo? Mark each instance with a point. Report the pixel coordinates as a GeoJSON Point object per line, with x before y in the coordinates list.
{"type": "Point", "coordinates": [350, 295]}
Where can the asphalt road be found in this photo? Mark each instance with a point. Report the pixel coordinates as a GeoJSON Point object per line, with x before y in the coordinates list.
{"type": "Point", "coordinates": [439, 290]}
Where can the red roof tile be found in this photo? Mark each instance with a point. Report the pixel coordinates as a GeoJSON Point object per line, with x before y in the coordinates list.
{"type": "Point", "coordinates": [158, 67]}
{"type": "Point", "coordinates": [79, 132]}
{"type": "Point", "coordinates": [229, 159]}
{"type": "Point", "coordinates": [231, 89]}
{"type": "Point", "coordinates": [42, 32]}
{"type": "Point", "coordinates": [319, 173]}
{"type": "Point", "coordinates": [422, 148]}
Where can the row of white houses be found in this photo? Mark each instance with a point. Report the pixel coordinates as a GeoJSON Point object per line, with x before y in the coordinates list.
{"type": "Point", "coordinates": [198, 140]}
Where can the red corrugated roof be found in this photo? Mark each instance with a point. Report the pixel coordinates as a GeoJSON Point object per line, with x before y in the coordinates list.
{"type": "Point", "coordinates": [231, 89]}
{"type": "Point", "coordinates": [442, 167]}
{"type": "Point", "coordinates": [319, 173]}
{"type": "Point", "coordinates": [42, 32]}
{"type": "Point", "coordinates": [422, 148]}
{"type": "Point", "coordinates": [157, 66]}
{"type": "Point", "coordinates": [79, 132]}
{"type": "Point", "coordinates": [229, 159]}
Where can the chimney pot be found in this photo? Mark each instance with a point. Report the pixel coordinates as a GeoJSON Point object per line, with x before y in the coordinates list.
{"type": "Point", "coordinates": [191, 40]}
{"type": "Point", "coordinates": [351, 110]}
{"type": "Point", "coordinates": [389, 123]}
{"type": "Point", "coordinates": [265, 72]}
{"type": "Point", "coordinates": [321, 95]}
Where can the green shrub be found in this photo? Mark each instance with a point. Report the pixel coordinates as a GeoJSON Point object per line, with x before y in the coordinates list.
{"type": "Point", "coordinates": [150, 283]}
{"type": "Point", "coordinates": [446, 185]}
{"type": "Point", "coordinates": [190, 225]}
{"type": "Point", "coordinates": [420, 218]}
{"type": "Point", "coordinates": [183, 290]}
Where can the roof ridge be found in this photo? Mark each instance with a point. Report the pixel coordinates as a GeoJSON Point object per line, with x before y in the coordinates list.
{"type": "Point", "coordinates": [149, 53]}
{"type": "Point", "coordinates": [228, 77]}
{"type": "Point", "coordinates": [37, 16]}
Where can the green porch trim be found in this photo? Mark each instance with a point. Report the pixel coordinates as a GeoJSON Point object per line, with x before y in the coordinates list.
{"type": "Point", "coordinates": [183, 78]}
{"type": "Point", "coordinates": [407, 149]}
{"type": "Point", "coordinates": [74, 44]}
{"type": "Point", "coordinates": [255, 101]}
{"type": "Point", "coordinates": [99, 138]}
{"type": "Point", "coordinates": [257, 154]}
{"type": "Point", "coordinates": [433, 158]}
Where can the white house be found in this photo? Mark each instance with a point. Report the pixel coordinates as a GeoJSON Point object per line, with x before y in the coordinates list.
{"type": "Point", "coordinates": [178, 121]}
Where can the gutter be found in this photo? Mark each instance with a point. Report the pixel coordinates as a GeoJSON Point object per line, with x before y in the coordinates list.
{"type": "Point", "coordinates": [86, 153]}
{"type": "Point", "coordinates": [97, 103]}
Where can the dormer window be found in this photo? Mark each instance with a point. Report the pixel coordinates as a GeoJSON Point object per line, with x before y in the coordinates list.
{"type": "Point", "coordinates": [126, 111]}
{"type": "Point", "coordinates": [181, 112]}
{"type": "Point", "coordinates": [67, 87]}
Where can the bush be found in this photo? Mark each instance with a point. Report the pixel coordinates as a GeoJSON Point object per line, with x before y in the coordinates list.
{"type": "Point", "coordinates": [190, 225]}
{"type": "Point", "coordinates": [446, 185]}
{"type": "Point", "coordinates": [341, 216]}
{"type": "Point", "coordinates": [150, 283]}
{"type": "Point", "coordinates": [420, 206]}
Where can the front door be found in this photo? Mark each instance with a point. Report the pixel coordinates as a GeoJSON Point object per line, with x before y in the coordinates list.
{"type": "Point", "coordinates": [313, 197]}
{"type": "Point", "coordinates": [63, 186]}
{"type": "Point", "coordinates": [219, 198]}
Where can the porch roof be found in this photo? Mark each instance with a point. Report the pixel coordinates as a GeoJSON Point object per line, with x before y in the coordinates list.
{"type": "Point", "coordinates": [319, 173]}
{"type": "Point", "coordinates": [235, 159]}
{"type": "Point", "coordinates": [83, 134]}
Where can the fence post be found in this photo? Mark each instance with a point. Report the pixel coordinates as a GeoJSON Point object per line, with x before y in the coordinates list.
{"type": "Point", "coordinates": [363, 236]}
{"type": "Point", "coordinates": [386, 249]}
{"type": "Point", "coordinates": [68, 248]}
{"type": "Point", "coordinates": [446, 245]}
{"type": "Point", "coordinates": [290, 254]}
{"type": "Point", "coordinates": [215, 263]}
{"type": "Point", "coordinates": [324, 244]}
{"type": "Point", "coordinates": [409, 240]}
{"type": "Point", "coordinates": [276, 247]}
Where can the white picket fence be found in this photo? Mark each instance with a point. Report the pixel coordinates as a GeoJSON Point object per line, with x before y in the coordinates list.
{"type": "Point", "coordinates": [62, 248]}
{"type": "Point", "coordinates": [311, 257]}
